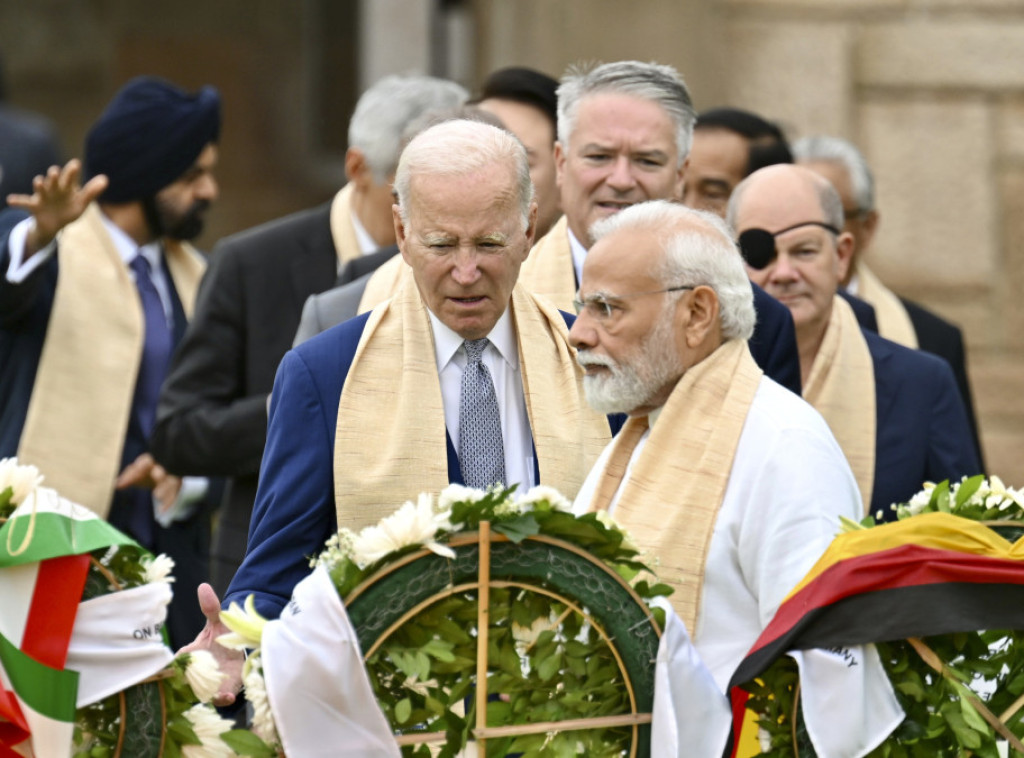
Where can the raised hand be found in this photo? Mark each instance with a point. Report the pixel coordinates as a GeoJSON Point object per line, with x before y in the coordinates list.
{"type": "Point", "coordinates": [229, 661]}
{"type": "Point", "coordinates": [57, 199]}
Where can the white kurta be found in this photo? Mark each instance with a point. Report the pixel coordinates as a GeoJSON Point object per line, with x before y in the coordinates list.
{"type": "Point", "coordinates": [788, 486]}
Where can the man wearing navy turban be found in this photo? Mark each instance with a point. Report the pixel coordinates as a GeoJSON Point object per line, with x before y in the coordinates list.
{"type": "Point", "coordinates": [96, 285]}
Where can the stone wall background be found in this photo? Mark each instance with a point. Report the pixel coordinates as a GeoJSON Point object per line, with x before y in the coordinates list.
{"type": "Point", "coordinates": [932, 91]}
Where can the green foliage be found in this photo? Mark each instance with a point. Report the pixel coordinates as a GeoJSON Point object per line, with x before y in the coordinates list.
{"type": "Point", "coordinates": [940, 719]}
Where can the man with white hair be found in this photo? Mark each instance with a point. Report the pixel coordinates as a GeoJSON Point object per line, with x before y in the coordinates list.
{"type": "Point", "coordinates": [899, 319]}
{"type": "Point", "coordinates": [735, 485]}
{"type": "Point", "coordinates": [462, 376]}
{"type": "Point", "coordinates": [212, 418]}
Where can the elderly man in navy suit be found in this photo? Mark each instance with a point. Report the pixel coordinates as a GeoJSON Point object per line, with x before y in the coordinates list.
{"type": "Point", "coordinates": [462, 376]}
{"type": "Point", "coordinates": [895, 411]}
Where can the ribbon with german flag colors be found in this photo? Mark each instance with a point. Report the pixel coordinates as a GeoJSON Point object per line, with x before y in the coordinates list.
{"type": "Point", "coordinates": [929, 575]}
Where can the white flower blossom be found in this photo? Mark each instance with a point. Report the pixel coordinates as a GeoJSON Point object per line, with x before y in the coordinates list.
{"type": "Point", "coordinates": [263, 725]}
{"type": "Point", "coordinates": [921, 499]}
{"type": "Point", "coordinates": [203, 674]}
{"type": "Point", "coordinates": [457, 493]}
{"type": "Point", "coordinates": [157, 568]}
{"type": "Point", "coordinates": [1001, 496]}
{"type": "Point", "coordinates": [337, 549]}
{"type": "Point", "coordinates": [21, 479]}
{"type": "Point", "coordinates": [412, 524]}
{"type": "Point", "coordinates": [208, 726]}
{"type": "Point", "coordinates": [542, 492]}
{"type": "Point", "coordinates": [610, 523]}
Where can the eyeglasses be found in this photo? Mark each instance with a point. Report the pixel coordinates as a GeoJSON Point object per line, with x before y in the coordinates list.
{"type": "Point", "coordinates": [603, 307]}
{"type": "Point", "coordinates": [758, 245]}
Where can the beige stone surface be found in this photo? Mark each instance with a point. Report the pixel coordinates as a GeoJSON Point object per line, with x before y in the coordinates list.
{"type": "Point", "coordinates": [1011, 279]}
{"type": "Point", "coordinates": [768, 57]}
{"type": "Point", "coordinates": [997, 381]}
{"type": "Point", "coordinates": [932, 163]}
{"type": "Point", "coordinates": [984, 54]}
{"type": "Point", "coordinates": [1010, 127]}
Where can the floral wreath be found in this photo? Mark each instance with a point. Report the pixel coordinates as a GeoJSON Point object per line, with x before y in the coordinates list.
{"type": "Point", "coordinates": [167, 714]}
{"type": "Point", "coordinates": [549, 659]}
{"type": "Point", "coordinates": [962, 693]}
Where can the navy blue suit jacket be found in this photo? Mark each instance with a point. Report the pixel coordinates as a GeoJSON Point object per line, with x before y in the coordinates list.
{"type": "Point", "coordinates": [922, 432]}
{"type": "Point", "coordinates": [294, 513]}
{"type": "Point", "coordinates": [773, 344]}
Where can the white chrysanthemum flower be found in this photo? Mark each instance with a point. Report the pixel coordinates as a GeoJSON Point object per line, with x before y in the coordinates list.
{"type": "Point", "coordinates": [920, 500]}
{"type": "Point", "coordinates": [21, 479]}
{"type": "Point", "coordinates": [208, 726]}
{"type": "Point", "coordinates": [246, 625]}
{"type": "Point", "coordinates": [457, 493]}
{"type": "Point", "coordinates": [203, 674]}
{"type": "Point", "coordinates": [412, 524]}
{"type": "Point", "coordinates": [263, 725]}
{"type": "Point", "coordinates": [542, 492]}
{"type": "Point", "coordinates": [157, 568]}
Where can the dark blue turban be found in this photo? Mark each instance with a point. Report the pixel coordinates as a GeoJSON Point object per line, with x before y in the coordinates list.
{"type": "Point", "coordinates": [150, 134]}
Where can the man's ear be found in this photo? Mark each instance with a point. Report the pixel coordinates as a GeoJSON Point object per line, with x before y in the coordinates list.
{"type": "Point", "coordinates": [703, 308]}
{"type": "Point", "coordinates": [531, 227]}
{"type": "Point", "coordinates": [559, 164]}
{"type": "Point", "coordinates": [844, 252]}
{"type": "Point", "coordinates": [400, 240]}
{"type": "Point", "coordinates": [356, 170]}
{"type": "Point", "coordinates": [870, 226]}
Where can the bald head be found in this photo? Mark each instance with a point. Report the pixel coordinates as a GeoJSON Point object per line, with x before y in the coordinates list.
{"type": "Point", "coordinates": [789, 222]}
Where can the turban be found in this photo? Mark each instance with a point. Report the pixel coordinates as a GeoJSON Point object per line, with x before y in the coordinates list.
{"type": "Point", "coordinates": [149, 135]}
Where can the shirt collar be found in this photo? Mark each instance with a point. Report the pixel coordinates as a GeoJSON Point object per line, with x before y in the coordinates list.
{"type": "Point", "coordinates": [447, 342]}
{"type": "Point", "coordinates": [126, 246]}
{"type": "Point", "coordinates": [363, 239]}
{"type": "Point", "coordinates": [579, 254]}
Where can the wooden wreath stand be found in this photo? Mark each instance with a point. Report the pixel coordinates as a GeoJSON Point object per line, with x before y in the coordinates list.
{"type": "Point", "coordinates": [484, 542]}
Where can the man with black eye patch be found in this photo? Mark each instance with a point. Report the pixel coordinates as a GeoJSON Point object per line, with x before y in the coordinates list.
{"type": "Point", "coordinates": [895, 411]}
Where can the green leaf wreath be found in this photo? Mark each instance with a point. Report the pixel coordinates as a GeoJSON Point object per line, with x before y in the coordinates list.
{"type": "Point", "coordinates": [984, 668]}
{"type": "Point", "coordinates": [547, 661]}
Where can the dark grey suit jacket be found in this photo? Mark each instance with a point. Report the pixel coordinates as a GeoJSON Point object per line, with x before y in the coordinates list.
{"type": "Point", "coordinates": [324, 310]}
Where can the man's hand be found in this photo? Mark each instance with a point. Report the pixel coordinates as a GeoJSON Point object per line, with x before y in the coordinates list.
{"type": "Point", "coordinates": [57, 200]}
{"type": "Point", "coordinates": [229, 661]}
{"type": "Point", "coordinates": [146, 472]}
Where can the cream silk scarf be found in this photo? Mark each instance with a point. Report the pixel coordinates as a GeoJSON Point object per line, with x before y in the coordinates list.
{"type": "Point", "coordinates": [841, 386]}
{"type": "Point", "coordinates": [549, 271]}
{"type": "Point", "coordinates": [343, 233]}
{"type": "Point", "coordinates": [393, 394]}
{"type": "Point", "coordinates": [82, 396]}
{"type": "Point", "coordinates": [893, 320]}
{"type": "Point", "coordinates": [670, 502]}
{"type": "Point", "coordinates": [385, 282]}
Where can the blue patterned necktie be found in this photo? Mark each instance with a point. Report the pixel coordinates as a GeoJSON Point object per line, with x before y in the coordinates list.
{"type": "Point", "coordinates": [481, 451]}
{"type": "Point", "coordinates": [157, 347]}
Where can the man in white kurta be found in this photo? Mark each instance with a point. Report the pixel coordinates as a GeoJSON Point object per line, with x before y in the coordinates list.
{"type": "Point", "coordinates": [731, 483]}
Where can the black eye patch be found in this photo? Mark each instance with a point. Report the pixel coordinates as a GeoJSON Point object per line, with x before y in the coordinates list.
{"type": "Point", "coordinates": [757, 247]}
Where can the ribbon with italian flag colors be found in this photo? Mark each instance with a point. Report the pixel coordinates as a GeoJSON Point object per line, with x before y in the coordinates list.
{"type": "Point", "coordinates": [44, 560]}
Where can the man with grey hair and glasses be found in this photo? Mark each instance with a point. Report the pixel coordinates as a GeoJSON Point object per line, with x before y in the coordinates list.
{"type": "Point", "coordinates": [461, 377]}
{"type": "Point", "coordinates": [624, 133]}
{"type": "Point", "coordinates": [899, 319]}
{"type": "Point", "coordinates": [212, 417]}
{"type": "Point", "coordinates": [734, 484]}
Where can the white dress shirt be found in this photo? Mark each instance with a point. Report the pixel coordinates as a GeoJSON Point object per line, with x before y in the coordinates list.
{"type": "Point", "coordinates": [501, 357]}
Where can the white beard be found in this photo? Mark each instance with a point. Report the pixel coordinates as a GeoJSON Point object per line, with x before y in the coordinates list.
{"type": "Point", "coordinates": [625, 387]}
